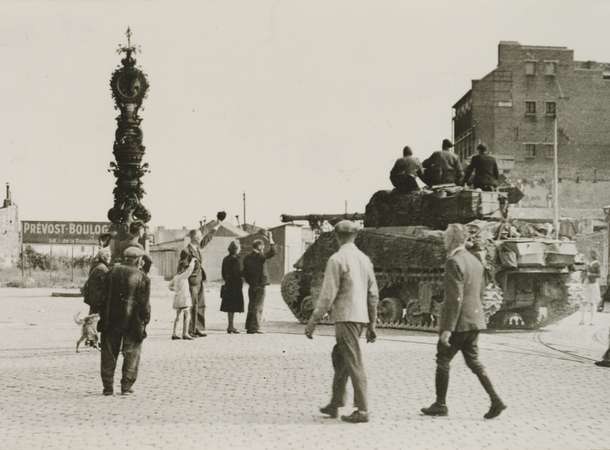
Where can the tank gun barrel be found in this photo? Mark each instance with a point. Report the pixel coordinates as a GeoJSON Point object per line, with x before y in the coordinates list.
{"type": "Point", "coordinates": [316, 220]}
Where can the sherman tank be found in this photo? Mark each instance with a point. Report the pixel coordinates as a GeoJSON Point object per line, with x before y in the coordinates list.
{"type": "Point", "coordinates": [531, 279]}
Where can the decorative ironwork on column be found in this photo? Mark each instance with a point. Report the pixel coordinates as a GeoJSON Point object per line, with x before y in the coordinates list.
{"type": "Point", "coordinates": [129, 86]}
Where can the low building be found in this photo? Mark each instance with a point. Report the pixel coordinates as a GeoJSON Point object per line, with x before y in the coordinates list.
{"type": "Point", "coordinates": [291, 242]}
{"type": "Point", "coordinates": [10, 246]}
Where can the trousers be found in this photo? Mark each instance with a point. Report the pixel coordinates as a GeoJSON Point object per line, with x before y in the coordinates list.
{"type": "Point", "coordinates": [347, 362]}
{"type": "Point", "coordinates": [197, 323]}
{"type": "Point", "coordinates": [112, 343]}
{"type": "Point", "coordinates": [606, 356]}
{"type": "Point", "coordinates": [256, 302]}
{"type": "Point", "coordinates": [466, 342]}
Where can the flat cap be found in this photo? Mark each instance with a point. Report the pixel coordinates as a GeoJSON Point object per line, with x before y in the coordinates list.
{"type": "Point", "coordinates": [133, 252]}
{"type": "Point", "coordinates": [346, 226]}
{"type": "Point", "coordinates": [447, 143]}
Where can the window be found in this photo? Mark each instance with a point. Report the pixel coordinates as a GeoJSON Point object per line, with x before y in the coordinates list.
{"type": "Point", "coordinates": [530, 107]}
{"type": "Point", "coordinates": [549, 152]}
{"type": "Point", "coordinates": [530, 67]}
{"type": "Point", "coordinates": [550, 109]}
{"type": "Point", "coordinates": [550, 68]}
{"type": "Point", "coordinates": [530, 150]}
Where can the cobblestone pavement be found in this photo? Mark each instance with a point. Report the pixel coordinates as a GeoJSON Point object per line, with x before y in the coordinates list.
{"type": "Point", "coordinates": [263, 391]}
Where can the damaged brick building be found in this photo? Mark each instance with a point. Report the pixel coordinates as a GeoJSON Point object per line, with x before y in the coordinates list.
{"type": "Point", "coordinates": [513, 108]}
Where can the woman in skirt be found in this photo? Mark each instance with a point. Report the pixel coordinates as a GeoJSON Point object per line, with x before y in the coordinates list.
{"type": "Point", "coordinates": [231, 292]}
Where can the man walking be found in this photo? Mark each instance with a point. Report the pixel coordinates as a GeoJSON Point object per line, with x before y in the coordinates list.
{"type": "Point", "coordinates": [350, 289]}
{"type": "Point", "coordinates": [460, 321]}
{"type": "Point", "coordinates": [443, 167]}
{"type": "Point", "coordinates": [257, 276]}
{"type": "Point", "coordinates": [123, 320]}
{"type": "Point", "coordinates": [485, 170]}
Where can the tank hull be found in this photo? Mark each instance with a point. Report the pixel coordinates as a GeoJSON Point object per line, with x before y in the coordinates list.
{"type": "Point", "coordinates": [409, 267]}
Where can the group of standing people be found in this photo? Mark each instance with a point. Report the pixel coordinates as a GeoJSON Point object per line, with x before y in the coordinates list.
{"type": "Point", "coordinates": [444, 167]}
{"type": "Point", "coordinates": [188, 285]}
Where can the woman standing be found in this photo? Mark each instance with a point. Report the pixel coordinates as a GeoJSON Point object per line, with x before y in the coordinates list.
{"type": "Point", "coordinates": [94, 291]}
{"type": "Point", "coordinates": [231, 293]}
{"type": "Point", "coordinates": [591, 294]}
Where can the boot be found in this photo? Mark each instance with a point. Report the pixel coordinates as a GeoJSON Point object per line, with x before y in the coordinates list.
{"type": "Point", "coordinates": [497, 405]}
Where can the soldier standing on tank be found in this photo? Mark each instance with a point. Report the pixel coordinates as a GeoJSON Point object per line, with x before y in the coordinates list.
{"type": "Point", "coordinates": [443, 167]}
{"type": "Point", "coordinates": [461, 321]}
{"type": "Point", "coordinates": [350, 288]}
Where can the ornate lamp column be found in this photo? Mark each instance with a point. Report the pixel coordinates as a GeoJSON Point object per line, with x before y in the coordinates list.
{"type": "Point", "coordinates": [129, 86]}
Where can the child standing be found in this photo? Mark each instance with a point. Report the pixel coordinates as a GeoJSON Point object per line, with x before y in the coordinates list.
{"type": "Point", "coordinates": [182, 299]}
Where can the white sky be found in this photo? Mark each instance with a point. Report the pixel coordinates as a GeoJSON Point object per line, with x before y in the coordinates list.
{"type": "Point", "coordinates": [302, 104]}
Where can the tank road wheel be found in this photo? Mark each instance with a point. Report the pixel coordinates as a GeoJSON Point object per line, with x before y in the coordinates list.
{"type": "Point", "coordinates": [290, 287]}
{"type": "Point", "coordinates": [307, 308]}
{"type": "Point", "coordinates": [389, 310]}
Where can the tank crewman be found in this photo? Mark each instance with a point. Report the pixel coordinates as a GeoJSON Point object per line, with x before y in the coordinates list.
{"type": "Point", "coordinates": [443, 167]}
{"type": "Point", "coordinates": [460, 321]}
{"type": "Point", "coordinates": [405, 172]}
{"type": "Point", "coordinates": [124, 317]}
{"type": "Point", "coordinates": [350, 290]}
{"type": "Point", "coordinates": [485, 170]}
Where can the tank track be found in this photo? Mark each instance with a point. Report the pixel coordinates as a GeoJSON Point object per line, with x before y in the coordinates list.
{"type": "Point", "coordinates": [299, 290]}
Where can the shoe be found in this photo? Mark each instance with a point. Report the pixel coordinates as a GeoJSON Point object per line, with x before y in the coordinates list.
{"type": "Point", "coordinates": [602, 363]}
{"type": "Point", "coordinates": [254, 332]}
{"type": "Point", "coordinates": [126, 391]}
{"type": "Point", "coordinates": [174, 337]}
{"type": "Point", "coordinates": [187, 337]}
{"type": "Point", "coordinates": [107, 392]}
{"type": "Point", "coordinates": [198, 334]}
{"type": "Point", "coordinates": [232, 331]}
{"type": "Point", "coordinates": [435, 409]}
{"type": "Point", "coordinates": [356, 417]}
{"type": "Point", "coordinates": [330, 410]}
{"type": "Point", "coordinates": [495, 410]}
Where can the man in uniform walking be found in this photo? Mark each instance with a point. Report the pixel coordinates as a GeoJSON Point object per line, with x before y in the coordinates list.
{"type": "Point", "coordinates": [123, 321]}
{"type": "Point", "coordinates": [350, 289]}
{"type": "Point", "coordinates": [461, 321]}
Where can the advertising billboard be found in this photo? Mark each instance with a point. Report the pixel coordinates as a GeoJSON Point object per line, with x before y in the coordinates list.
{"type": "Point", "coordinates": [62, 232]}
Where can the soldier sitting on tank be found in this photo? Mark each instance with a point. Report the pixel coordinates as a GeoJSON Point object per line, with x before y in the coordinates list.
{"type": "Point", "coordinates": [405, 172]}
{"type": "Point", "coordinates": [442, 167]}
{"type": "Point", "coordinates": [485, 170]}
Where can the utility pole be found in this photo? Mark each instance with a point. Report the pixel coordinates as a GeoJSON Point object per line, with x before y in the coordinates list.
{"type": "Point", "coordinates": [555, 180]}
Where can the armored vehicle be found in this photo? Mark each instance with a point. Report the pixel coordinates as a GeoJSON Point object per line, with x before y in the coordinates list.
{"type": "Point", "coordinates": [531, 278]}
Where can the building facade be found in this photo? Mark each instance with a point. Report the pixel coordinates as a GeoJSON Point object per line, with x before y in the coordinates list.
{"type": "Point", "coordinates": [513, 110]}
{"type": "Point", "coordinates": [10, 243]}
